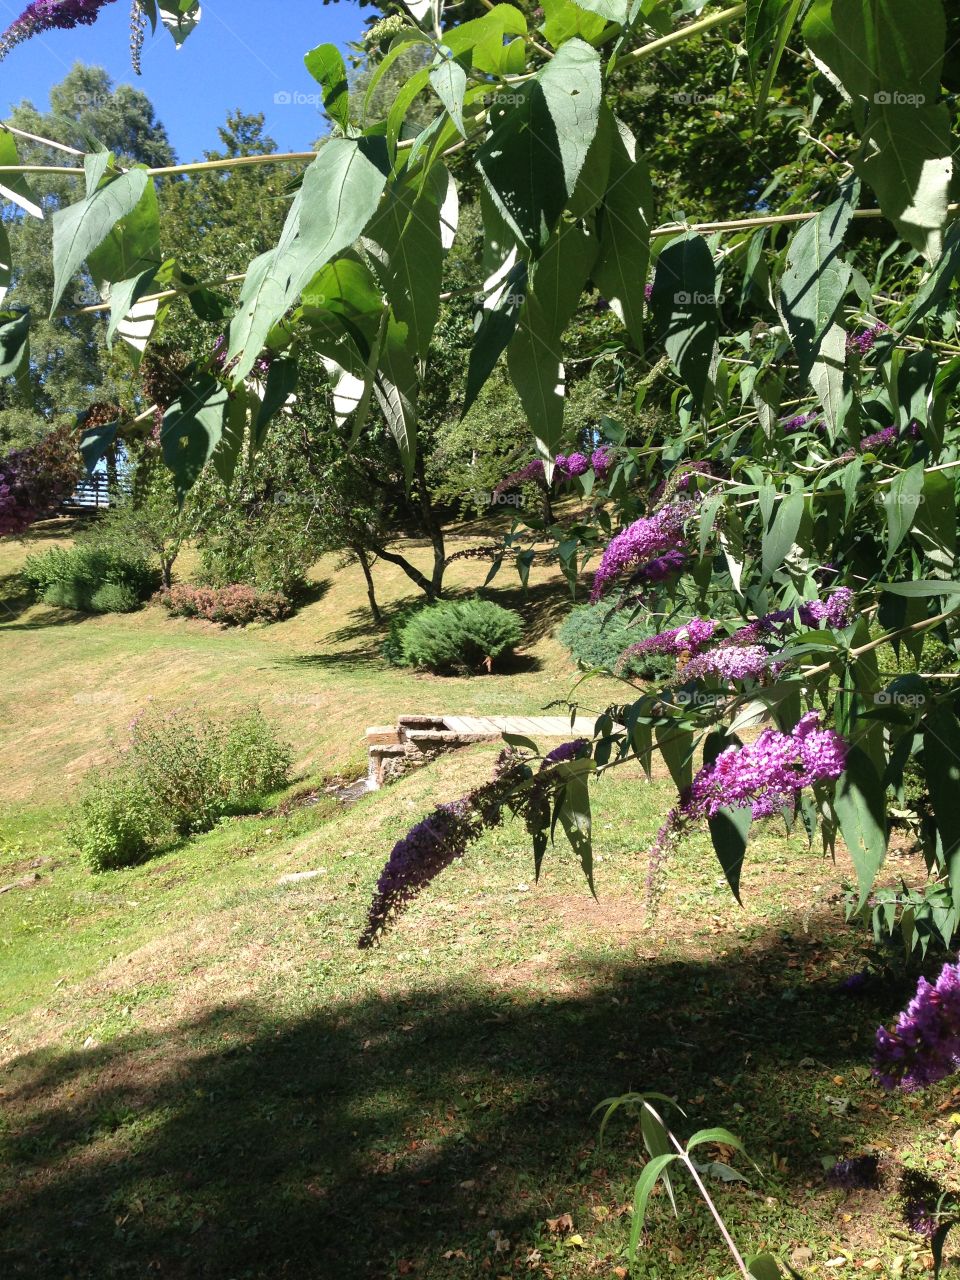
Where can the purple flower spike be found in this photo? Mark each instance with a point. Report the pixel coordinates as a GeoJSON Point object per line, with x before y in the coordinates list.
{"type": "Point", "coordinates": [656, 542]}
{"type": "Point", "coordinates": [924, 1045]}
{"type": "Point", "coordinates": [49, 15]}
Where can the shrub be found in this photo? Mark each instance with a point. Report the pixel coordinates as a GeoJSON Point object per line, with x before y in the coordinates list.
{"type": "Point", "coordinates": [596, 635]}
{"type": "Point", "coordinates": [116, 822]}
{"type": "Point", "coordinates": [180, 773]}
{"type": "Point", "coordinates": [233, 606]}
{"type": "Point", "coordinates": [459, 635]}
{"type": "Point", "coordinates": [78, 578]}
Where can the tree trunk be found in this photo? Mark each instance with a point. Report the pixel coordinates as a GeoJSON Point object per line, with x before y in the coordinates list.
{"type": "Point", "coordinates": [433, 529]}
{"type": "Point", "coordinates": [361, 555]}
{"type": "Point", "coordinates": [411, 570]}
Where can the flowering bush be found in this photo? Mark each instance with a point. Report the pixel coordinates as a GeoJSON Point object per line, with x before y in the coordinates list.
{"type": "Point", "coordinates": [234, 606]}
{"type": "Point", "coordinates": [36, 479]}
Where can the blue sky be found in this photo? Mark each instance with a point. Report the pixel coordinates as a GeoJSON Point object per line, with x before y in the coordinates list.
{"type": "Point", "coordinates": [243, 54]}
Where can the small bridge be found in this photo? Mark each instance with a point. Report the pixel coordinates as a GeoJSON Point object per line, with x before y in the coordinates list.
{"type": "Point", "coordinates": [416, 740]}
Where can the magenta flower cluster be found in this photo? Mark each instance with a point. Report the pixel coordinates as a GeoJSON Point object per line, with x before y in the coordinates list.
{"type": "Point", "coordinates": [809, 420]}
{"type": "Point", "coordinates": [924, 1045]}
{"type": "Point", "coordinates": [764, 775]}
{"type": "Point", "coordinates": [567, 466]}
{"type": "Point", "coordinates": [444, 835]}
{"type": "Point", "coordinates": [741, 655]}
{"type": "Point", "coordinates": [49, 15]}
{"type": "Point", "coordinates": [653, 545]}
{"type": "Point", "coordinates": [864, 340]}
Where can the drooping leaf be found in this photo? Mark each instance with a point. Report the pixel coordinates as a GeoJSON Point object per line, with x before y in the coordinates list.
{"type": "Point", "coordinates": [81, 228]}
{"type": "Point", "coordinates": [340, 193]}
{"type": "Point", "coordinates": [861, 810]}
{"type": "Point", "coordinates": [826, 376]}
{"type": "Point", "coordinates": [13, 186]}
{"type": "Point", "coordinates": [782, 533]}
{"type": "Point", "coordinates": [281, 385]}
{"type": "Point", "coordinates": [192, 429]}
{"type": "Point", "coordinates": [504, 290]}
{"type": "Point", "coordinates": [449, 82]}
{"type": "Point", "coordinates": [816, 278]}
{"type": "Point", "coordinates": [395, 386]}
{"type": "Point", "coordinates": [14, 341]}
{"type": "Point", "coordinates": [888, 58]}
{"type": "Point", "coordinates": [405, 246]}
{"type": "Point", "coordinates": [684, 305]}
{"type": "Point", "coordinates": [901, 501]}
{"type": "Point", "coordinates": [624, 228]}
{"type": "Point", "coordinates": [941, 758]}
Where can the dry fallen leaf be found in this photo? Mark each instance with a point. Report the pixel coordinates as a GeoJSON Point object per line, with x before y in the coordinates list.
{"type": "Point", "coordinates": [560, 1226]}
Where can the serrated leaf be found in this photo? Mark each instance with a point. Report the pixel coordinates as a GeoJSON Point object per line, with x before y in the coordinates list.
{"type": "Point", "coordinates": [624, 230]}
{"type": "Point", "coordinates": [449, 82]}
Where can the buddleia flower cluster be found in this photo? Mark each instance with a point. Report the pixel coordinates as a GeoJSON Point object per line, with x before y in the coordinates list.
{"type": "Point", "coordinates": [763, 776]}
{"type": "Point", "coordinates": [49, 15]}
{"type": "Point", "coordinates": [653, 547]}
{"type": "Point", "coordinates": [741, 655]}
{"type": "Point", "coordinates": [444, 835]}
{"type": "Point", "coordinates": [34, 481]}
{"type": "Point", "coordinates": [924, 1044]}
{"type": "Point", "coordinates": [565, 467]}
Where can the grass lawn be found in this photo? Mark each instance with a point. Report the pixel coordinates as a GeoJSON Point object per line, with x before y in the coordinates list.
{"type": "Point", "coordinates": [203, 1077]}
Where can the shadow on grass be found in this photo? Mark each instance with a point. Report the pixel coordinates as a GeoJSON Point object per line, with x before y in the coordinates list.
{"type": "Point", "coordinates": [361, 1135]}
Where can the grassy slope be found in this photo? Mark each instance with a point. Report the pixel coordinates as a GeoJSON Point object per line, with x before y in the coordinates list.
{"type": "Point", "coordinates": [204, 1077]}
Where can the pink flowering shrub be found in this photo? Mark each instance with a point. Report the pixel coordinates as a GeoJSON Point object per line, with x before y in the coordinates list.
{"type": "Point", "coordinates": [234, 606]}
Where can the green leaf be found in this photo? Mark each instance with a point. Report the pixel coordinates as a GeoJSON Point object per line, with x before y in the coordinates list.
{"type": "Point", "coordinates": [405, 246]}
{"type": "Point", "coordinates": [676, 747]}
{"type": "Point", "coordinates": [935, 526]}
{"type": "Point", "coordinates": [941, 766]}
{"type": "Point", "coordinates": [449, 82]}
{"type": "Point", "coordinates": [192, 429]}
{"type": "Point", "coordinates": [624, 230]}
{"type": "Point", "coordinates": [81, 228]}
{"type": "Point", "coordinates": [180, 19]}
{"type": "Point", "coordinates": [684, 305]}
{"type": "Point", "coordinates": [96, 443]}
{"type": "Point", "coordinates": [281, 385]}
{"type": "Point", "coordinates": [888, 58]}
{"type": "Point", "coordinates": [574, 815]}
{"type": "Point", "coordinates": [227, 452]}
{"type": "Point", "coordinates": [767, 28]}
{"type": "Point", "coordinates": [6, 262]}
{"type": "Point", "coordinates": [571, 87]}
{"type": "Point", "coordinates": [538, 145]}
{"type": "Point", "coordinates": [714, 1136]}
{"type": "Point", "coordinates": [861, 810]}
{"type": "Point", "coordinates": [764, 1267]}
{"type": "Point", "coordinates": [340, 193]}
{"type": "Point", "coordinates": [325, 64]}
{"type": "Point", "coordinates": [534, 355]}
{"type": "Point", "coordinates": [826, 376]}
{"type": "Point", "coordinates": [395, 385]}
{"type": "Point", "coordinates": [931, 587]}
{"type": "Point", "coordinates": [816, 278]}
{"type": "Point", "coordinates": [123, 298]}
{"type": "Point", "coordinates": [610, 10]}
{"type": "Point", "coordinates": [504, 290]}
{"type": "Point", "coordinates": [12, 185]}
{"type": "Point", "coordinates": [729, 829]}
{"type": "Point", "coordinates": [901, 501]}
{"type": "Point", "coordinates": [14, 341]}
{"type": "Point", "coordinates": [564, 19]}
{"type": "Point", "coordinates": [782, 534]}
{"type": "Point", "coordinates": [645, 1184]}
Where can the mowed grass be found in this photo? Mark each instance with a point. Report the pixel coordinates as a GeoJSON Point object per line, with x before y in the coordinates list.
{"type": "Point", "coordinates": [202, 1076]}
